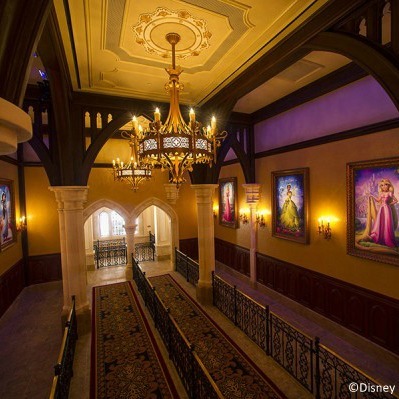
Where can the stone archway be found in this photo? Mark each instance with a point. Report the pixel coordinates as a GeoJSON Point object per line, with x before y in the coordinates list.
{"type": "Point", "coordinates": [105, 203]}
{"type": "Point", "coordinates": [169, 211]}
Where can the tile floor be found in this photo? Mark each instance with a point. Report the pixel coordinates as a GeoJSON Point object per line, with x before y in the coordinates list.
{"type": "Point", "coordinates": [30, 337]}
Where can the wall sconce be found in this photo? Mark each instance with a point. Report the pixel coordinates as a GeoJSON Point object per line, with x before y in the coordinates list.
{"type": "Point", "coordinates": [215, 210]}
{"type": "Point", "coordinates": [324, 229]}
{"type": "Point", "coordinates": [260, 220]}
{"type": "Point", "coordinates": [21, 225]}
{"type": "Point", "coordinates": [244, 216]}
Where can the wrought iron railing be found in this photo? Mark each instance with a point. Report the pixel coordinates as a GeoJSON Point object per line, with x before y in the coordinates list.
{"type": "Point", "coordinates": [195, 378]}
{"type": "Point", "coordinates": [292, 349]}
{"type": "Point", "coordinates": [187, 267]}
{"type": "Point", "coordinates": [110, 253]}
{"type": "Point", "coordinates": [316, 367]}
{"type": "Point", "coordinates": [145, 251]}
{"type": "Point", "coordinates": [63, 370]}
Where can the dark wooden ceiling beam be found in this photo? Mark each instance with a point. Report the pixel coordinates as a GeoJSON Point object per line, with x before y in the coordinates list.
{"type": "Point", "coordinates": [341, 77]}
{"type": "Point", "coordinates": [21, 24]}
{"type": "Point", "coordinates": [288, 51]}
{"type": "Point", "coordinates": [372, 57]}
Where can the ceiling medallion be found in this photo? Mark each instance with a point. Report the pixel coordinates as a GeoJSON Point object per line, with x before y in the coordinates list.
{"type": "Point", "coordinates": [152, 28]}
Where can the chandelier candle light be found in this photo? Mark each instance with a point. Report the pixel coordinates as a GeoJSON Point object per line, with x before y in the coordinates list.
{"type": "Point", "coordinates": [134, 172]}
{"type": "Point", "coordinates": [176, 145]}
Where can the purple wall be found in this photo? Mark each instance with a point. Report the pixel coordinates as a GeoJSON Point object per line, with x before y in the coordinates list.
{"type": "Point", "coordinates": [358, 104]}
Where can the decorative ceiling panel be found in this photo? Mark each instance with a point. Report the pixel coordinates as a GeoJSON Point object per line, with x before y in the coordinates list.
{"type": "Point", "coordinates": [117, 47]}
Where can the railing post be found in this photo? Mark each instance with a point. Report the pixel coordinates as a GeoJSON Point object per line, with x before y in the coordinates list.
{"type": "Point", "coordinates": [235, 305]}
{"type": "Point", "coordinates": [213, 288]}
{"type": "Point", "coordinates": [185, 260]}
{"type": "Point", "coordinates": [317, 372]}
{"type": "Point", "coordinates": [98, 254]}
{"type": "Point", "coordinates": [155, 308]}
{"type": "Point", "coordinates": [267, 320]}
{"type": "Point", "coordinates": [169, 329]}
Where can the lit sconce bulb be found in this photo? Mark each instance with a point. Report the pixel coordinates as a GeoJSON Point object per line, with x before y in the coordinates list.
{"type": "Point", "coordinates": [244, 216]}
{"type": "Point", "coordinates": [157, 115]}
{"type": "Point", "coordinates": [324, 229]}
{"type": "Point", "coordinates": [260, 219]}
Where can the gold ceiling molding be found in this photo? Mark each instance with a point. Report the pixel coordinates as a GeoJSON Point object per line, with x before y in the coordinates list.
{"type": "Point", "coordinates": [152, 28]}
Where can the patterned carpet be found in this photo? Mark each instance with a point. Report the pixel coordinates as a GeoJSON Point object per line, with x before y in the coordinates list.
{"type": "Point", "coordinates": [125, 358]}
{"type": "Point", "coordinates": [234, 373]}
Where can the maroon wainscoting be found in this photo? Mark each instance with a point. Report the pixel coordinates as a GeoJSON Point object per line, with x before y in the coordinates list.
{"type": "Point", "coordinates": [12, 283]}
{"type": "Point", "coordinates": [233, 256]}
{"type": "Point", "coordinates": [44, 268]}
{"type": "Point", "coordinates": [366, 312]}
{"type": "Point", "coordinates": [189, 246]}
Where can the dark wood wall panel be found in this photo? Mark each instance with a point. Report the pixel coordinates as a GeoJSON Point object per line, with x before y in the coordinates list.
{"type": "Point", "coordinates": [189, 246]}
{"type": "Point", "coordinates": [44, 268]}
{"type": "Point", "coordinates": [233, 256]}
{"type": "Point", "coordinates": [368, 313]}
{"type": "Point", "coordinates": [12, 283]}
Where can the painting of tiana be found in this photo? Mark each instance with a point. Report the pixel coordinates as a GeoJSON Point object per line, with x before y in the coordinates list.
{"type": "Point", "coordinates": [376, 210]}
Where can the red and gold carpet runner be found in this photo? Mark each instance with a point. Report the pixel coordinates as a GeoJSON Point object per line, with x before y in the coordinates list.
{"type": "Point", "coordinates": [125, 359]}
{"type": "Point", "coordinates": [235, 374]}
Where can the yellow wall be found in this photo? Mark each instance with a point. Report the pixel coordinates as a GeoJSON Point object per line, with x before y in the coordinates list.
{"type": "Point", "coordinates": [11, 255]}
{"type": "Point", "coordinates": [327, 164]}
{"type": "Point", "coordinates": [42, 214]}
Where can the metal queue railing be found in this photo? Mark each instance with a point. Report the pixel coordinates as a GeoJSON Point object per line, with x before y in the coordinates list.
{"type": "Point", "coordinates": [321, 371]}
{"type": "Point", "coordinates": [187, 267]}
{"type": "Point", "coordinates": [195, 378]}
{"type": "Point", "coordinates": [110, 253]}
{"type": "Point", "coordinates": [63, 370]}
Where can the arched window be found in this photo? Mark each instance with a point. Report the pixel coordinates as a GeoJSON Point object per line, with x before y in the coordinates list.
{"type": "Point", "coordinates": [117, 222]}
{"type": "Point", "coordinates": [104, 224]}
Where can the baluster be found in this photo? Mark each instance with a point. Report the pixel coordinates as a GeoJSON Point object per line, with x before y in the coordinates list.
{"type": "Point", "coordinates": [235, 305]}
{"type": "Point", "coordinates": [267, 321]}
{"type": "Point", "coordinates": [213, 289]}
{"type": "Point", "coordinates": [317, 371]}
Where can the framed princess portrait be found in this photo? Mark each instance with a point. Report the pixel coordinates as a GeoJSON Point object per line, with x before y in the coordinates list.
{"type": "Point", "coordinates": [290, 204]}
{"type": "Point", "coordinates": [373, 209]}
{"type": "Point", "coordinates": [7, 214]}
{"type": "Point", "coordinates": [228, 204]}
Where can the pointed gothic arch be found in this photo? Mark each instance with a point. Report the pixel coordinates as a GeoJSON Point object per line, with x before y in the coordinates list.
{"type": "Point", "coordinates": [105, 203]}
{"type": "Point", "coordinates": [373, 58]}
{"type": "Point", "coordinates": [174, 222]}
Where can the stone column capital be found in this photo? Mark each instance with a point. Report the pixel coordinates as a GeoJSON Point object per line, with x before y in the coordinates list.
{"type": "Point", "coordinates": [70, 197]}
{"type": "Point", "coordinates": [130, 229]}
{"type": "Point", "coordinates": [252, 192]}
{"type": "Point", "coordinates": [204, 192]}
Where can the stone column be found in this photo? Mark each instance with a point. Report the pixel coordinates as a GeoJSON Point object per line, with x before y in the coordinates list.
{"type": "Point", "coordinates": [252, 192]}
{"type": "Point", "coordinates": [71, 200]}
{"type": "Point", "coordinates": [206, 241]}
{"type": "Point", "coordinates": [130, 230]}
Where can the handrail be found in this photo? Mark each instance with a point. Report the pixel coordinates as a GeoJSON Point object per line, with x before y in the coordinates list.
{"type": "Point", "coordinates": [63, 369]}
{"type": "Point", "coordinates": [300, 354]}
{"type": "Point", "coordinates": [193, 373]}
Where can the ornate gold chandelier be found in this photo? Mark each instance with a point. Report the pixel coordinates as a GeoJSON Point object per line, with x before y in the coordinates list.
{"type": "Point", "coordinates": [134, 172]}
{"type": "Point", "coordinates": [176, 145]}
